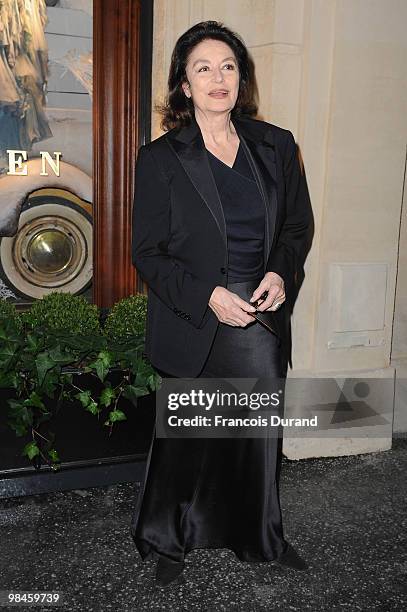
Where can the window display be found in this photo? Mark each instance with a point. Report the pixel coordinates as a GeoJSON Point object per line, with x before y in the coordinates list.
{"type": "Point", "coordinates": [46, 68]}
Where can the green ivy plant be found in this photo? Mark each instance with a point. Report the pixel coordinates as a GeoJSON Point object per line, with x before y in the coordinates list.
{"type": "Point", "coordinates": [41, 350]}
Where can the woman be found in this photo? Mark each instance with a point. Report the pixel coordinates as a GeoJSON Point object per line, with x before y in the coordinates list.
{"type": "Point", "coordinates": [221, 224]}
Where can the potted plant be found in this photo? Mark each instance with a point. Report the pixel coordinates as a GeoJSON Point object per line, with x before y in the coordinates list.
{"type": "Point", "coordinates": [58, 355]}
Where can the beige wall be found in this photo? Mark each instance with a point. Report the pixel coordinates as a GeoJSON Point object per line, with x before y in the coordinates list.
{"type": "Point", "coordinates": [333, 72]}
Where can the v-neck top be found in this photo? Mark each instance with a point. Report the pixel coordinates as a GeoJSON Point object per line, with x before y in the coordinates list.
{"type": "Point", "coordinates": [244, 213]}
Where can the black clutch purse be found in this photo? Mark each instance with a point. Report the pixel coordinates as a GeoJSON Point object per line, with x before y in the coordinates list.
{"type": "Point", "coordinates": [266, 318]}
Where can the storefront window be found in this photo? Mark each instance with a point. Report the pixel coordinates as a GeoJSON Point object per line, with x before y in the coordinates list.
{"type": "Point", "coordinates": [45, 148]}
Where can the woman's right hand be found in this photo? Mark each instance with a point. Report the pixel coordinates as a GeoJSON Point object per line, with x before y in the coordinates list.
{"type": "Point", "coordinates": [230, 308]}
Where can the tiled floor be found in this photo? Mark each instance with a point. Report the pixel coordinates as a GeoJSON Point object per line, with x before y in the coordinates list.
{"type": "Point", "coordinates": [346, 516]}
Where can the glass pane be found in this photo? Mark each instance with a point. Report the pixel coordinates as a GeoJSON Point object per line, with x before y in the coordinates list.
{"type": "Point", "coordinates": [45, 148]}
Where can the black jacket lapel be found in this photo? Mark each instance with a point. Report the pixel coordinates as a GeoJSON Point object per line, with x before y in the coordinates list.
{"type": "Point", "coordinates": [260, 149]}
{"type": "Point", "coordinates": [189, 147]}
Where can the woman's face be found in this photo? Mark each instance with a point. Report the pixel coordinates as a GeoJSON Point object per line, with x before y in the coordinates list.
{"type": "Point", "coordinates": [213, 75]}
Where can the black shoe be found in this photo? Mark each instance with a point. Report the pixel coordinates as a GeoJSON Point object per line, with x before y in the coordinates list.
{"type": "Point", "coordinates": [291, 558]}
{"type": "Point", "coordinates": [167, 570]}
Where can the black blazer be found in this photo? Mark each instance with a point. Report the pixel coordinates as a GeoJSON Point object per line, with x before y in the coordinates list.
{"type": "Point", "coordinates": [179, 242]}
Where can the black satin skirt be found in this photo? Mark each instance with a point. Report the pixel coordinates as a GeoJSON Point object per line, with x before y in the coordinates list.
{"type": "Point", "coordinates": [217, 492]}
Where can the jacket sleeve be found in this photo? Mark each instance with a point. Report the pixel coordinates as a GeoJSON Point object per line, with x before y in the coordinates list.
{"type": "Point", "coordinates": [181, 291]}
{"type": "Point", "coordinates": [288, 255]}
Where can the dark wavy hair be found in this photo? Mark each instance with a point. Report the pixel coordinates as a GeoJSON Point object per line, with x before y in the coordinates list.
{"type": "Point", "coordinates": [178, 110]}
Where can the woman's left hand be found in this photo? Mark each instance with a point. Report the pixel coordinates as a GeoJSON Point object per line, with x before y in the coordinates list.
{"type": "Point", "coordinates": [274, 285]}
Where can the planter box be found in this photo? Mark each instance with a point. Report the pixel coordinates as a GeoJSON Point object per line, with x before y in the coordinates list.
{"type": "Point", "coordinates": [81, 439]}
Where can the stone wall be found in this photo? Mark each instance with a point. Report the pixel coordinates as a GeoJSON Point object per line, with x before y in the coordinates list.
{"type": "Point", "coordinates": [333, 72]}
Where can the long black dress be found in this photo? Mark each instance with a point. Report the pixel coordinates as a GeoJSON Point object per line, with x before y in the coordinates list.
{"type": "Point", "coordinates": [221, 492]}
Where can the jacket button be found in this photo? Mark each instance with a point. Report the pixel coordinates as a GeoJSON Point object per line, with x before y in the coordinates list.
{"type": "Point", "coordinates": [223, 270]}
